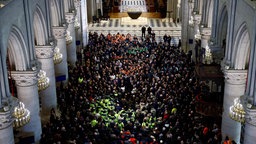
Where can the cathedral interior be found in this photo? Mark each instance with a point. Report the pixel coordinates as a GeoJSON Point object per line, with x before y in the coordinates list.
{"type": "Point", "coordinates": [127, 71]}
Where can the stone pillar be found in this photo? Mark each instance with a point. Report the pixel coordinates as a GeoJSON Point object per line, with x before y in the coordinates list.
{"type": "Point", "coordinates": [250, 126]}
{"type": "Point", "coordinates": [179, 12]}
{"type": "Point", "coordinates": [196, 6]}
{"type": "Point", "coordinates": [205, 37]}
{"type": "Point", "coordinates": [185, 23]}
{"type": "Point", "coordinates": [190, 8]}
{"type": "Point", "coordinates": [230, 31]}
{"type": "Point", "coordinates": [99, 6]}
{"type": "Point", "coordinates": [66, 6]}
{"type": "Point", "coordinates": [6, 128]}
{"type": "Point", "coordinates": [235, 81]}
{"type": "Point", "coordinates": [78, 23]}
{"type": "Point", "coordinates": [92, 9]}
{"type": "Point", "coordinates": [174, 6]}
{"type": "Point", "coordinates": [48, 96]}
{"type": "Point", "coordinates": [78, 9]}
{"type": "Point", "coordinates": [61, 68]}
{"type": "Point", "coordinates": [84, 25]}
{"type": "Point", "coordinates": [204, 11]}
{"type": "Point", "coordinates": [197, 20]}
{"type": "Point", "coordinates": [215, 19]}
{"type": "Point", "coordinates": [27, 91]}
{"type": "Point", "coordinates": [200, 6]}
{"type": "Point", "coordinates": [169, 10]}
{"type": "Point", "coordinates": [195, 34]}
{"type": "Point", "coordinates": [71, 48]}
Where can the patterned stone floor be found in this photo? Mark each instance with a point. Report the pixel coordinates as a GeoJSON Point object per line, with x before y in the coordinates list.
{"type": "Point", "coordinates": [127, 25]}
{"type": "Point", "coordinates": [154, 23]}
{"type": "Point", "coordinates": [159, 26]}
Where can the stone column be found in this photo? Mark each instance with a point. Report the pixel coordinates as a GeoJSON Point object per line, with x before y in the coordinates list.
{"type": "Point", "coordinates": [204, 11]}
{"type": "Point", "coordinates": [174, 7]}
{"type": "Point", "coordinates": [230, 31]}
{"type": "Point", "coordinates": [196, 6]}
{"type": "Point", "coordinates": [250, 126]}
{"type": "Point", "coordinates": [61, 68]}
{"type": "Point", "coordinates": [48, 96]}
{"type": "Point", "coordinates": [169, 10]}
{"type": "Point", "coordinates": [99, 6]}
{"type": "Point", "coordinates": [178, 12]}
{"type": "Point", "coordinates": [78, 23]}
{"type": "Point", "coordinates": [235, 81]}
{"type": "Point", "coordinates": [197, 20]}
{"type": "Point", "coordinates": [205, 37]}
{"type": "Point", "coordinates": [195, 33]}
{"type": "Point", "coordinates": [6, 128]}
{"type": "Point", "coordinates": [71, 48]}
{"type": "Point", "coordinates": [84, 25]}
{"type": "Point", "coordinates": [92, 9]}
{"type": "Point", "coordinates": [185, 24]}
{"type": "Point", "coordinates": [27, 91]}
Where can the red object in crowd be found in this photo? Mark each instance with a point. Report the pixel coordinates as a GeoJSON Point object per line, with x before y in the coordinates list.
{"type": "Point", "coordinates": [133, 140]}
{"type": "Point", "coordinates": [205, 131]}
{"type": "Point", "coordinates": [166, 116]}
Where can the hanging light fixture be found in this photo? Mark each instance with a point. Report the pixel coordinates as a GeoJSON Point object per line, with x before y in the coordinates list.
{"type": "Point", "coordinates": [68, 38]}
{"type": "Point", "coordinates": [236, 111]}
{"type": "Point", "coordinates": [57, 57]}
{"type": "Point", "coordinates": [43, 81]}
{"type": "Point", "coordinates": [21, 115]}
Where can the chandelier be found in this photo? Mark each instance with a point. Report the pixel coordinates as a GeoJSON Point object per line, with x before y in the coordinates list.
{"type": "Point", "coordinates": [68, 38]}
{"type": "Point", "coordinates": [21, 115]}
{"type": "Point", "coordinates": [57, 57]}
{"type": "Point", "coordinates": [236, 111]}
{"type": "Point", "coordinates": [43, 81]}
{"type": "Point", "coordinates": [77, 24]}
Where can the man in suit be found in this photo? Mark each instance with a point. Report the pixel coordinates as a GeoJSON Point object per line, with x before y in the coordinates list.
{"type": "Point", "coordinates": [149, 30]}
{"type": "Point", "coordinates": [143, 30]}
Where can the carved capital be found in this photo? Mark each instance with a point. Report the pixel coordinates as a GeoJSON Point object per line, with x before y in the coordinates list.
{"type": "Point", "coordinates": [70, 17]}
{"type": "Point", "coordinates": [59, 32]}
{"type": "Point", "coordinates": [77, 3]}
{"type": "Point", "coordinates": [6, 119]}
{"type": "Point", "coordinates": [206, 31]}
{"type": "Point", "coordinates": [250, 116]}
{"type": "Point", "coordinates": [44, 52]}
{"type": "Point", "coordinates": [205, 37]}
{"type": "Point", "coordinates": [25, 78]}
{"type": "Point", "coordinates": [236, 77]}
{"type": "Point", "coordinates": [197, 18]}
{"type": "Point", "coordinates": [6, 114]}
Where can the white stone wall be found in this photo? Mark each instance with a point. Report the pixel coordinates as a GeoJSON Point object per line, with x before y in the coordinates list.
{"type": "Point", "coordinates": [20, 14]}
{"type": "Point", "coordinates": [240, 12]}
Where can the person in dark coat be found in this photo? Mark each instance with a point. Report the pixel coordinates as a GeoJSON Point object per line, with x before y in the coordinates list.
{"type": "Point", "coordinates": [143, 30]}
{"type": "Point", "coordinates": [149, 30]}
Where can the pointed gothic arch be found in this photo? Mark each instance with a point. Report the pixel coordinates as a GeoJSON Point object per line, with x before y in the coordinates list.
{"type": "Point", "coordinates": [241, 51]}
{"type": "Point", "coordinates": [40, 29]}
{"type": "Point", "coordinates": [17, 52]}
{"type": "Point", "coordinates": [222, 27]}
{"type": "Point", "coordinates": [55, 13]}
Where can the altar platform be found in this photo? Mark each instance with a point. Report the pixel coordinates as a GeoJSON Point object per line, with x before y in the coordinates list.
{"type": "Point", "coordinates": [126, 25]}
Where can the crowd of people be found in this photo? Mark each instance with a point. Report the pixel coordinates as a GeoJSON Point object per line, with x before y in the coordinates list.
{"type": "Point", "coordinates": [128, 90]}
